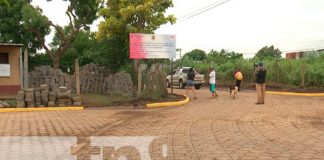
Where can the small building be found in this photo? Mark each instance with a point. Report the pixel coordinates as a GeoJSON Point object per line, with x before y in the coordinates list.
{"type": "Point", "coordinates": [10, 64]}
{"type": "Point", "coordinates": [303, 54]}
{"type": "Point", "coordinates": [294, 55]}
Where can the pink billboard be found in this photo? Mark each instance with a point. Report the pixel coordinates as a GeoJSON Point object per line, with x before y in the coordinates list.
{"type": "Point", "coordinates": [149, 46]}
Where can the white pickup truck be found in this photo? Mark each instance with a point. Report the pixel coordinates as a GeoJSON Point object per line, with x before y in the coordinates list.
{"type": "Point", "coordinates": [180, 78]}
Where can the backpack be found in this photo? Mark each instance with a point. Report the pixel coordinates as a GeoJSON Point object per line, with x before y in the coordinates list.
{"type": "Point", "coordinates": [239, 76]}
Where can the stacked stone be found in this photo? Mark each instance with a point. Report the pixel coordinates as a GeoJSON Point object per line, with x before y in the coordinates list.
{"type": "Point", "coordinates": [50, 76]}
{"type": "Point", "coordinates": [29, 97]}
{"type": "Point", "coordinates": [20, 99]}
{"type": "Point", "coordinates": [64, 96]}
{"type": "Point", "coordinates": [119, 84]}
{"type": "Point", "coordinates": [37, 93]}
{"type": "Point", "coordinates": [51, 99]}
{"type": "Point", "coordinates": [44, 94]}
{"type": "Point", "coordinates": [92, 78]}
{"type": "Point", "coordinates": [76, 101]}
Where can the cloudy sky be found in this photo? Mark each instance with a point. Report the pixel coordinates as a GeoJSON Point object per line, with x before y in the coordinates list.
{"type": "Point", "coordinates": [239, 25]}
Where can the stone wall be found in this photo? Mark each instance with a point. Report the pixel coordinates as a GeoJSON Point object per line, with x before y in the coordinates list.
{"type": "Point", "coordinates": [93, 79]}
{"type": "Point", "coordinates": [53, 78]}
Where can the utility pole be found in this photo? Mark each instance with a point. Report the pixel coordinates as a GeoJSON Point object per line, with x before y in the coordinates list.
{"type": "Point", "coordinates": [179, 49]}
{"type": "Point", "coordinates": [26, 68]}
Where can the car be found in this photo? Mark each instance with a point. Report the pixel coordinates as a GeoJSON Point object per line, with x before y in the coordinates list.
{"type": "Point", "coordinates": [179, 77]}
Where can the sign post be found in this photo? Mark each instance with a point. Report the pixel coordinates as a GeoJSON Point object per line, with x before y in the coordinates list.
{"type": "Point", "coordinates": [171, 83]}
{"type": "Point", "coordinates": [150, 46]}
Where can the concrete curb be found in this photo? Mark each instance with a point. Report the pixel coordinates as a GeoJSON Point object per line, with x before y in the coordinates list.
{"type": "Point", "coordinates": [168, 104]}
{"type": "Point", "coordinates": [296, 94]}
{"type": "Point", "coordinates": [4, 110]}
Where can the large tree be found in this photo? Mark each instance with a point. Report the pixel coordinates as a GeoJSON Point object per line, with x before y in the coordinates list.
{"type": "Point", "coordinates": [196, 54]}
{"type": "Point", "coordinates": [24, 22]}
{"type": "Point", "coordinates": [270, 52]}
{"type": "Point", "coordinates": [122, 17]}
{"type": "Point", "coordinates": [13, 29]}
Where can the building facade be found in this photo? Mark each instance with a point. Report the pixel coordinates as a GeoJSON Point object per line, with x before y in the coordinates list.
{"type": "Point", "coordinates": [10, 64]}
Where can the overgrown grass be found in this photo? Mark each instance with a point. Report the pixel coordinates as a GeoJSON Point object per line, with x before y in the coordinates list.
{"type": "Point", "coordinates": [280, 72]}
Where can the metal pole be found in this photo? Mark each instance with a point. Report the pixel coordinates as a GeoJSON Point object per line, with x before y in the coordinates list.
{"type": "Point", "coordinates": [171, 76]}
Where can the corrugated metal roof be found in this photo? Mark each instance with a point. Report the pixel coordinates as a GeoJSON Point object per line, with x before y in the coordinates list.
{"type": "Point", "coordinates": [11, 44]}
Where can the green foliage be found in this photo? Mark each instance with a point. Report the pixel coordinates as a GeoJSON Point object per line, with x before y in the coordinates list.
{"type": "Point", "coordinates": [268, 52]}
{"type": "Point", "coordinates": [140, 16]}
{"type": "Point", "coordinates": [23, 23]}
{"type": "Point", "coordinates": [39, 59]}
{"type": "Point", "coordinates": [196, 54]}
{"type": "Point", "coordinates": [16, 18]}
{"type": "Point", "coordinates": [4, 3]}
{"type": "Point", "coordinates": [280, 72]}
{"type": "Point", "coordinates": [122, 18]}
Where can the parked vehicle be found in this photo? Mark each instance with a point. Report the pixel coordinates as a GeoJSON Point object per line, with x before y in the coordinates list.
{"type": "Point", "coordinates": [180, 78]}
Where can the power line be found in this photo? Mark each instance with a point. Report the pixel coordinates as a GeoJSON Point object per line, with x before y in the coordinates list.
{"type": "Point", "coordinates": [202, 10]}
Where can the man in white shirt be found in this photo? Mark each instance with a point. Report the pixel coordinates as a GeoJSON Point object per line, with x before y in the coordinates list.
{"type": "Point", "coordinates": [212, 82]}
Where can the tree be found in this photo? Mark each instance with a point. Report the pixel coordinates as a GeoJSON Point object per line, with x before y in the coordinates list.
{"type": "Point", "coordinates": [4, 3]}
{"type": "Point", "coordinates": [196, 54]}
{"type": "Point", "coordinates": [129, 16]}
{"type": "Point", "coordinates": [269, 52]}
{"type": "Point", "coordinates": [222, 56]}
{"type": "Point", "coordinates": [13, 29]}
{"type": "Point", "coordinates": [33, 25]}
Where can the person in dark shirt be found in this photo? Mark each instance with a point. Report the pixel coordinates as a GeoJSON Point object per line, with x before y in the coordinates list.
{"type": "Point", "coordinates": [190, 82]}
{"type": "Point", "coordinates": [260, 75]}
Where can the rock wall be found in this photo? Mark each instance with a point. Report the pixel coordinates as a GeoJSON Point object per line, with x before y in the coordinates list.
{"type": "Point", "coordinates": [93, 79]}
{"type": "Point", "coordinates": [53, 78]}
{"type": "Point", "coordinates": [154, 82]}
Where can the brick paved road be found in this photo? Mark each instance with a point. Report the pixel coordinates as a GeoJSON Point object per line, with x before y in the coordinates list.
{"type": "Point", "coordinates": [222, 128]}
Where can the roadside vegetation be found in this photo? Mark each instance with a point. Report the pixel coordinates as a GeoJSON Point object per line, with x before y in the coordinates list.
{"type": "Point", "coordinates": [298, 73]}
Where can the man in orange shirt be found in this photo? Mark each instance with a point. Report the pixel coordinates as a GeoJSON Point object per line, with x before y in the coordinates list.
{"type": "Point", "coordinates": [238, 79]}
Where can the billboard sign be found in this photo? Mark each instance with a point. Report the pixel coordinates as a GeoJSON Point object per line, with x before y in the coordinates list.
{"type": "Point", "coordinates": [151, 46]}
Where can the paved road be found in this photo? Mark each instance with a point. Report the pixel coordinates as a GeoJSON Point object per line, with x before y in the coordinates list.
{"type": "Point", "coordinates": [284, 128]}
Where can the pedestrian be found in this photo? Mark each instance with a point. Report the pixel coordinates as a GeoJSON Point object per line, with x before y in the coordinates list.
{"type": "Point", "coordinates": [212, 82]}
{"type": "Point", "coordinates": [238, 79]}
{"type": "Point", "coordinates": [190, 82]}
{"type": "Point", "coordinates": [260, 75]}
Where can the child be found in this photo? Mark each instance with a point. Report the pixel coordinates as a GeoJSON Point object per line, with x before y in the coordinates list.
{"type": "Point", "coordinates": [212, 82]}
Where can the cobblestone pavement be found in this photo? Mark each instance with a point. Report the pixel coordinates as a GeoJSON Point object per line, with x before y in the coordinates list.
{"type": "Point", "coordinates": [285, 127]}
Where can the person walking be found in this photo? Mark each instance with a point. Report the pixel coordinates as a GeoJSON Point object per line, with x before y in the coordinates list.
{"type": "Point", "coordinates": [260, 75]}
{"type": "Point", "coordinates": [212, 82]}
{"type": "Point", "coordinates": [238, 79]}
{"type": "Point", "coordinates": [190, 82]}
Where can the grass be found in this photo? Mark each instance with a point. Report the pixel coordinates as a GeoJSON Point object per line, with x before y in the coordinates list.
{"type": "Point", "coordinates": [11, 102]}
{"type": "Point", "coordinates": [95, 100]}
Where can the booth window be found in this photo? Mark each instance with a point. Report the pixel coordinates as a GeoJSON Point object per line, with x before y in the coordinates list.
{"type": "Point", "coordinates": [4, 58]}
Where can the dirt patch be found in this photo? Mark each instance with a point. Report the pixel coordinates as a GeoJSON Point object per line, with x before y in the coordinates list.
{"type": "Point", "coordinates": [97, 100]}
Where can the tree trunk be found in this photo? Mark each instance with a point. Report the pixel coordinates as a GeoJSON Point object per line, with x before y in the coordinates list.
{"type": "Point", "coordinates": [56, 62]}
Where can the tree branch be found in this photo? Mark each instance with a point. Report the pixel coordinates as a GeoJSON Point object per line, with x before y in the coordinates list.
{"type": "Point", "coordinates": [70, 14]}
{"type": "Point", "coordinates": [42, 42]}
{"type": "Point", "coordinates": [59, 30]}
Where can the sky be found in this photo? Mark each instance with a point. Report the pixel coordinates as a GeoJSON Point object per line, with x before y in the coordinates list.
{"type": "Point", "coordinates": [242, 26]}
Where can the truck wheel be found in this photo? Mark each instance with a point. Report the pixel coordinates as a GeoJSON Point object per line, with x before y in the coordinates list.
{"type": "Point", "coordinates": [168, 84]}
{"type": "Point", "coordinates": [197, 86]}
{"type": "Point", "coordinates": [181, 85]}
